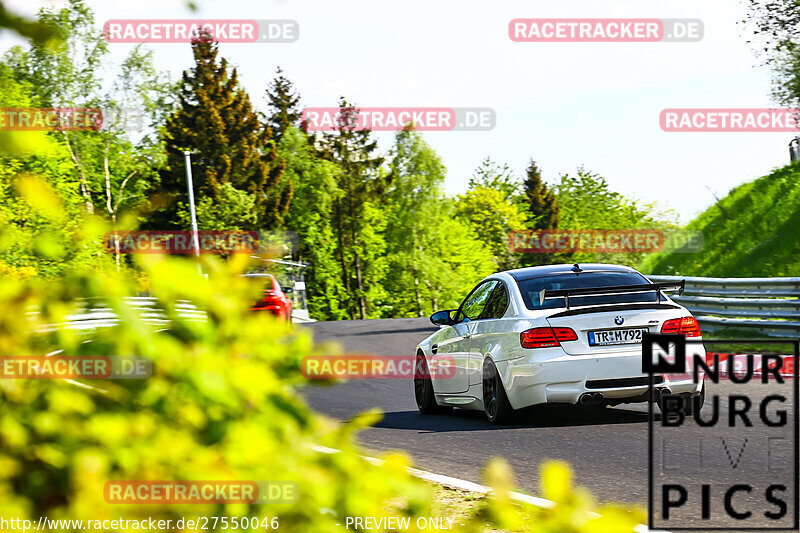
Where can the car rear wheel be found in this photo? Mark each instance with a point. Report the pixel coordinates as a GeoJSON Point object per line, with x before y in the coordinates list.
{"type": "Point", "coordinates": [495, 401]}
{"type": "Point", "coordinates": [423, 387]}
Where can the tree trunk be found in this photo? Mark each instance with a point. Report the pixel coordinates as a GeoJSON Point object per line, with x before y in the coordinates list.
{"type": "Point", "coordinates": [84, 183]}
{"type": "Point", "coordinates": [362, 303]}
{"type": "Point", "coordinates": [109, 205]}
{"type": "Point", "coordinates": [345, 275]}
{"type": "Point", "coordinates": [417, 295]}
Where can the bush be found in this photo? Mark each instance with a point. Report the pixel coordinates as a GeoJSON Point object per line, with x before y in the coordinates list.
{"type": "Point", "coordinates": [221, 404]}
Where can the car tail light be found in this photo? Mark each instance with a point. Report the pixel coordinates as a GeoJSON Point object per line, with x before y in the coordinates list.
{"type": "Point", "coordinates": [268, 297]}
{"type": "Point", "coordinates": [546, 337]}
{"type": "Point", "coordinates": [687, 326]}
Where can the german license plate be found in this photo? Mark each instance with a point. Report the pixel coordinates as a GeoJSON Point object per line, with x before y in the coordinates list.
{"type": "Point", "coordinates": [608, 337]}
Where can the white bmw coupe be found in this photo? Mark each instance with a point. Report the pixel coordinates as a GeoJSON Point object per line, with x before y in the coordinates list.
{"type": "Point", "coordinates": [551, 334]}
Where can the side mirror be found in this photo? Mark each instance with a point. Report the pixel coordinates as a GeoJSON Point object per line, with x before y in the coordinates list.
{"type": "Point", "coordinates": [441, 318]}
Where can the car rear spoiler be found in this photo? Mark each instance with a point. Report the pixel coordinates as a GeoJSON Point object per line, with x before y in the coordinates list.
{"type": "Point", "coordinates": [618, 289]}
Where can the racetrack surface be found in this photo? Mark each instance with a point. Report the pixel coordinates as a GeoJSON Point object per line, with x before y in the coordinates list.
{"type": "Point", "coordinates": [607, 449]}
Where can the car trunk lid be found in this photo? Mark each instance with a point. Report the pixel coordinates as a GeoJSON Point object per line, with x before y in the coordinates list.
{"type": "Point", "coordinates": [613, 328]}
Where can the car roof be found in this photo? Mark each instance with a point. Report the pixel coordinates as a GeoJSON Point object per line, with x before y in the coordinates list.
{"type": "Point", "coordinates": [521, 274]}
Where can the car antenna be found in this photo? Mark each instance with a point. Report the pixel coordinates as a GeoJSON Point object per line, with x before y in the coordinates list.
{"type": "Point", "coordinates": [576, 268]}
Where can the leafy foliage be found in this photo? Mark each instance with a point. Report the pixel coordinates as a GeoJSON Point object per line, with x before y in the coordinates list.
{"type": "Point", "coordinates": [314, 182]}
{"type": "Point", "coordinates": [492, 217]}
{"type": "Point", "coordinates": [34, 30]}
{"type": "Point", "coordinates": [542, 204]}
{"type": "Point", "coordinates": [587, 202]}
{"type": "Point", "coordinates": [542, 211]}
{"type": "Point", "coordinates": [362, 182]}
{"type": "Point", "coordinates": [221, 404]}
{"type": "Point", "coordinates": [283, 101]}
{"type": "Point", "coordinates": [490, 175]}
{"type": "Point", "coordinates": [216, 121]}
{"type": "Point", "coordinates": [572, 510]}
{"type": "Point", "coordinates": [434, 259]}
{"type": "Point", "coordinates": [776, 28]}
{"type": "Point", "coordinates": [750, 232]}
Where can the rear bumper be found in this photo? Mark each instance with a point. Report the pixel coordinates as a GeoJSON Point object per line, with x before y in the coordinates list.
{"type": "Point", "coordinates": [276, 310]}
{"type": "Point", "coordinates": [563, 379]}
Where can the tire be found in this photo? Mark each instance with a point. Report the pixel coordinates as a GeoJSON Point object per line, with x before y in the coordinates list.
{"type": "Point", "coordinates": [423, 387]}
{"type": "Point", "coordinates": [495, 400]}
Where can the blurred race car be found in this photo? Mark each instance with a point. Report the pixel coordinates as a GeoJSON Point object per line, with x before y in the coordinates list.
{"type": "Point", "coordinates": [552, 334]}
{"type": "Point", "coordinates": [273, 299]}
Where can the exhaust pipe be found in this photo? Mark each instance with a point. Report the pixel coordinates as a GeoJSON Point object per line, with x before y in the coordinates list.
{"type": "Point", "coordinates": [588, 398]}
{"type": "Point", "coordinates": [661, 391]}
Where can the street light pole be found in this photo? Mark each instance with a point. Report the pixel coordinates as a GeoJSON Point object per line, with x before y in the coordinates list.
{"type": "Point", "coordinates": [195, 238]}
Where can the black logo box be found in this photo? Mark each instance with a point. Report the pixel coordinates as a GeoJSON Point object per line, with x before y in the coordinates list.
{"type": "Point", "coordinates": [679, 366]}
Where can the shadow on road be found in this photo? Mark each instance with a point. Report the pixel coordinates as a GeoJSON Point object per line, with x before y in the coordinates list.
{"type": "Point", "coordinates": [537, 417]}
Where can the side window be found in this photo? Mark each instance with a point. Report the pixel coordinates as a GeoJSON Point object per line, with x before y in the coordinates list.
{"type": "Point", "coordinates": [497, 303]}
{"type": "Point", "coordinates": [472, 307]}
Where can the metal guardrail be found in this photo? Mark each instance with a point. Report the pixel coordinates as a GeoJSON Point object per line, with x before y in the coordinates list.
{"type": "Point", "coordinates": [90, 315]}
{"type": "Point", "coordinates": [770, 306]}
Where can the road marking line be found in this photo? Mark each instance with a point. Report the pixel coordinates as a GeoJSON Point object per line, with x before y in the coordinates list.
{"type": "Point", "coordinates": [469, 486]}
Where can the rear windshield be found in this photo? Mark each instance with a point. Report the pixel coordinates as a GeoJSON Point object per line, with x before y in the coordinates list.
{"type": "Point", "coordinates": [530, 289]}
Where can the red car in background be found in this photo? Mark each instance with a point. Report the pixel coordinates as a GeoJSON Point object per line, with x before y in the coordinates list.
{"type": "Point", "coordinates": [273, 299]}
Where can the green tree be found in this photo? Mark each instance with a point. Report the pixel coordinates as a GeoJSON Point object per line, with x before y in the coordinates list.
{"type": "Point", "coordinates": [541, 210]}
{"type": "Point", "coordinates": [216, 122]}
{"type": "Point", "coordinates": [587, 202]}
{"type": "Point", "coordinates": [434, 259]}
{"type": "Point", "coordinates": [66, 75]}
{"type": "Point", "coordinates": [200, 416]}
{"type": "Point", "coordinates": [23, 253]}
{"type": "Point", "coordinates": [283, 102]}
{"type": "Point", "coordinates": [314, 181]}
{"type": "Point", "coordinates": [34, 30]}
{"type": "Point", "coordinates": [362, 183]}
{"type": "Point", "coordinates": [492, 217]}
{"type": "Point", "coordinates": [491, 175]}
{"type": "Point", "coordinates": [116, 164]}
{"type": "Point", "coordinates": [776, 28]}
{"type": "Point", "coordinates": [540, 200]}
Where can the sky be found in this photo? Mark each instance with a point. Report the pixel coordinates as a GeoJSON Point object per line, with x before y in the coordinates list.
{"type": "Point", "coordinates": [566, 105]}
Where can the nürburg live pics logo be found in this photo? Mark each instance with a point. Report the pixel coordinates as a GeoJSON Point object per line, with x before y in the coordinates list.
{"type": "Point", "coordinates": [725, 457]}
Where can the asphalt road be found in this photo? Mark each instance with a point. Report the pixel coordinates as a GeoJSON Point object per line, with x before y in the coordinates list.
{"type": "Point", "coordinates": [607, 449]}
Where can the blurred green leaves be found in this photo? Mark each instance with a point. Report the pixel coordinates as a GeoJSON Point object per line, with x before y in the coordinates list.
{"type": "Point", "coordinates": [221, 404]}
{"type": "Point", "coordinates": [37, 31]}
